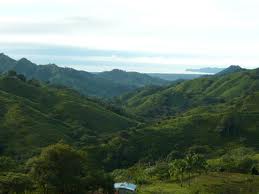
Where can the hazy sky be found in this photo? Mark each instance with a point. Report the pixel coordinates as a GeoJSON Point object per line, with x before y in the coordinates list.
{"type": "Point", "coordinates": [139, 35]}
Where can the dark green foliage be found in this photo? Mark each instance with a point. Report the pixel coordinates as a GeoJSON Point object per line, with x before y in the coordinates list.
{"type": "Point", "coordinates": [62, 169]}
{"type": "Point", "coordinates": [21, 77]}
{"type": "Point", "coordinates": [58, 169]}
{"type": "Point", "coordinates": [230, 125]}
{"type": "Point", "coordinates": [174, 154]}
{"type": "Point", "coordinates": [254, 171]}
{"type": "Point", "coordinates": [7, 164]}
{"type": "Point", "coordinates": [15, 183]}
{"type": "Point", "coordinates": [11, 73]}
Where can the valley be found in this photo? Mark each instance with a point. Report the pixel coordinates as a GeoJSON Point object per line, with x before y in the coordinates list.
{"type": "Point", "coordinates": [209, 125]}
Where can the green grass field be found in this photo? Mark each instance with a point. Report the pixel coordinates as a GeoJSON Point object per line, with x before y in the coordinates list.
{"type": "Point", "coordinates": [213, 183]}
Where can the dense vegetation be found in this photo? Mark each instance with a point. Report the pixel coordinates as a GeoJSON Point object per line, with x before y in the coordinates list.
{"type": "Point", "coordinates": [105, 84]}
{"type": "Point", "coordinates": [235, 173]}
{"type": "Point", "coordinates": [202, 131]}
{"type": "Point", "coordinates": [182, 96]}
{"type": "Point", "coordinates": [58, 169]}
{"type": "Point", "coordinates": [35, 115]}
{"type": "Point", "coordinates": [218, 112]}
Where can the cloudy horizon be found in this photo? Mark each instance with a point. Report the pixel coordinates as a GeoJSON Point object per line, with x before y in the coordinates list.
{"type": "Point", "coordinates": [164, 36]}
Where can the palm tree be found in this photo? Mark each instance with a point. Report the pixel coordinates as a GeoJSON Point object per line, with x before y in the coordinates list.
{"type": "Point", "coordinates": [177, 169]}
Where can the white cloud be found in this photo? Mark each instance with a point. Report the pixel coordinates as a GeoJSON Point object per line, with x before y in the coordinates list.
{"type": "Point", "coordinates": [208, 27]}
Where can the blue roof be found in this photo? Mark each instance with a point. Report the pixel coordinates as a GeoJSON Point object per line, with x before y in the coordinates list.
{"type": "Point", "coordinates": [128, 186]}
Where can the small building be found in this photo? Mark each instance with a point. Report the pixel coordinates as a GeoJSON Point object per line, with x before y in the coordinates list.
{"type": "Point", "coordinates": [125, 188]}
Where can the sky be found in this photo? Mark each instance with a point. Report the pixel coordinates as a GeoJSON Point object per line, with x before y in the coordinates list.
{"type": "Point", "coordinates": [165, 36]}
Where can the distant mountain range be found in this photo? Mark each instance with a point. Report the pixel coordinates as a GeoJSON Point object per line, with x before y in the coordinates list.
{"type": "Point", "coordinates": [106, 84]}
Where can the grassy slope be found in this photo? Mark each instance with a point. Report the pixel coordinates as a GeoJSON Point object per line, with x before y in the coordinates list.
{"type": "Point", "coordinates": [197, 109]}
{"type": "Point", "coordinates": [188, 94]}
{"type": "Point", "coordinates": [213, 183]}
{"type": "Point", "coordinates": [198, 126]}
{"type": "Point", "coordinates": [34, 116]}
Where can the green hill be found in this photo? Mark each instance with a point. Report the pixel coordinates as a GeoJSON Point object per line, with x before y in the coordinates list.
{"type": "Point", "coordinates": [107, 84]}
{"type": "Point", "coordinates": [212, 115]}
{"type": "Point", "coordinates": [34, 115]}
{"type": "Point", "coordinates": [216, 113]}
{"type": "Point", "coordinates": [213, 128]}
{"type": "Point", "coordinates": [179, 97]}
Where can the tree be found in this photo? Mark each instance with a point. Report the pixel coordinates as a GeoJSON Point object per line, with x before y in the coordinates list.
{"type": "Point", "coordinates": [59, 167]}
{"type": "Point", "coordinates": [230, 125]}
{"type": "Point", "coordinates": [162, 170]}
{"type": "Point", "coordinates": [21, 77]}
{"type": "Point", "coordinates": [238, 160]}
{"type": "Point", "coordinates": [15, 183]}
{"type": "Point", "coordinates": [34, 82]}
{"type": "Point", "coordinates": [11, 73]}
{"type": "Point", "coordinates": [177, 169]}
{"type": "Point", "coordinates": [199, 163]}
{"type": "Point", "coordinates": [105, 181]}
{"type": "Point", "coordinates": [189, 165]}
{"type": "Point", "coordinates": [195, 163]}
{"type": "Point", "coordinates": [254, 171]}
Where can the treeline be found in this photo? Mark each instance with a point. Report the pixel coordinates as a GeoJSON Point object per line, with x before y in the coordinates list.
{"type": "Point", "coordinates": [58, 169]}
{"type": "Point", "coordinates": [21, 77]}
{"type": "Point", "coordinates": [177, 169]}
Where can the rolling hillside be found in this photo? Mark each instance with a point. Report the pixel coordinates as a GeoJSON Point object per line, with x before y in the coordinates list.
{"type": "Point", "coordinates": [34, 115]}
{"type": "Point", "coordinates": [181, 96]}
{"type": "Point", "coordinates": [216, 114]}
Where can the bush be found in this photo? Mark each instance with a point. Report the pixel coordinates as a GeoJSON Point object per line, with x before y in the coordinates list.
{"type": "Point", "coordinates": [161, 171]}
{"type": "Point", "coordinates": [237, 160]}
